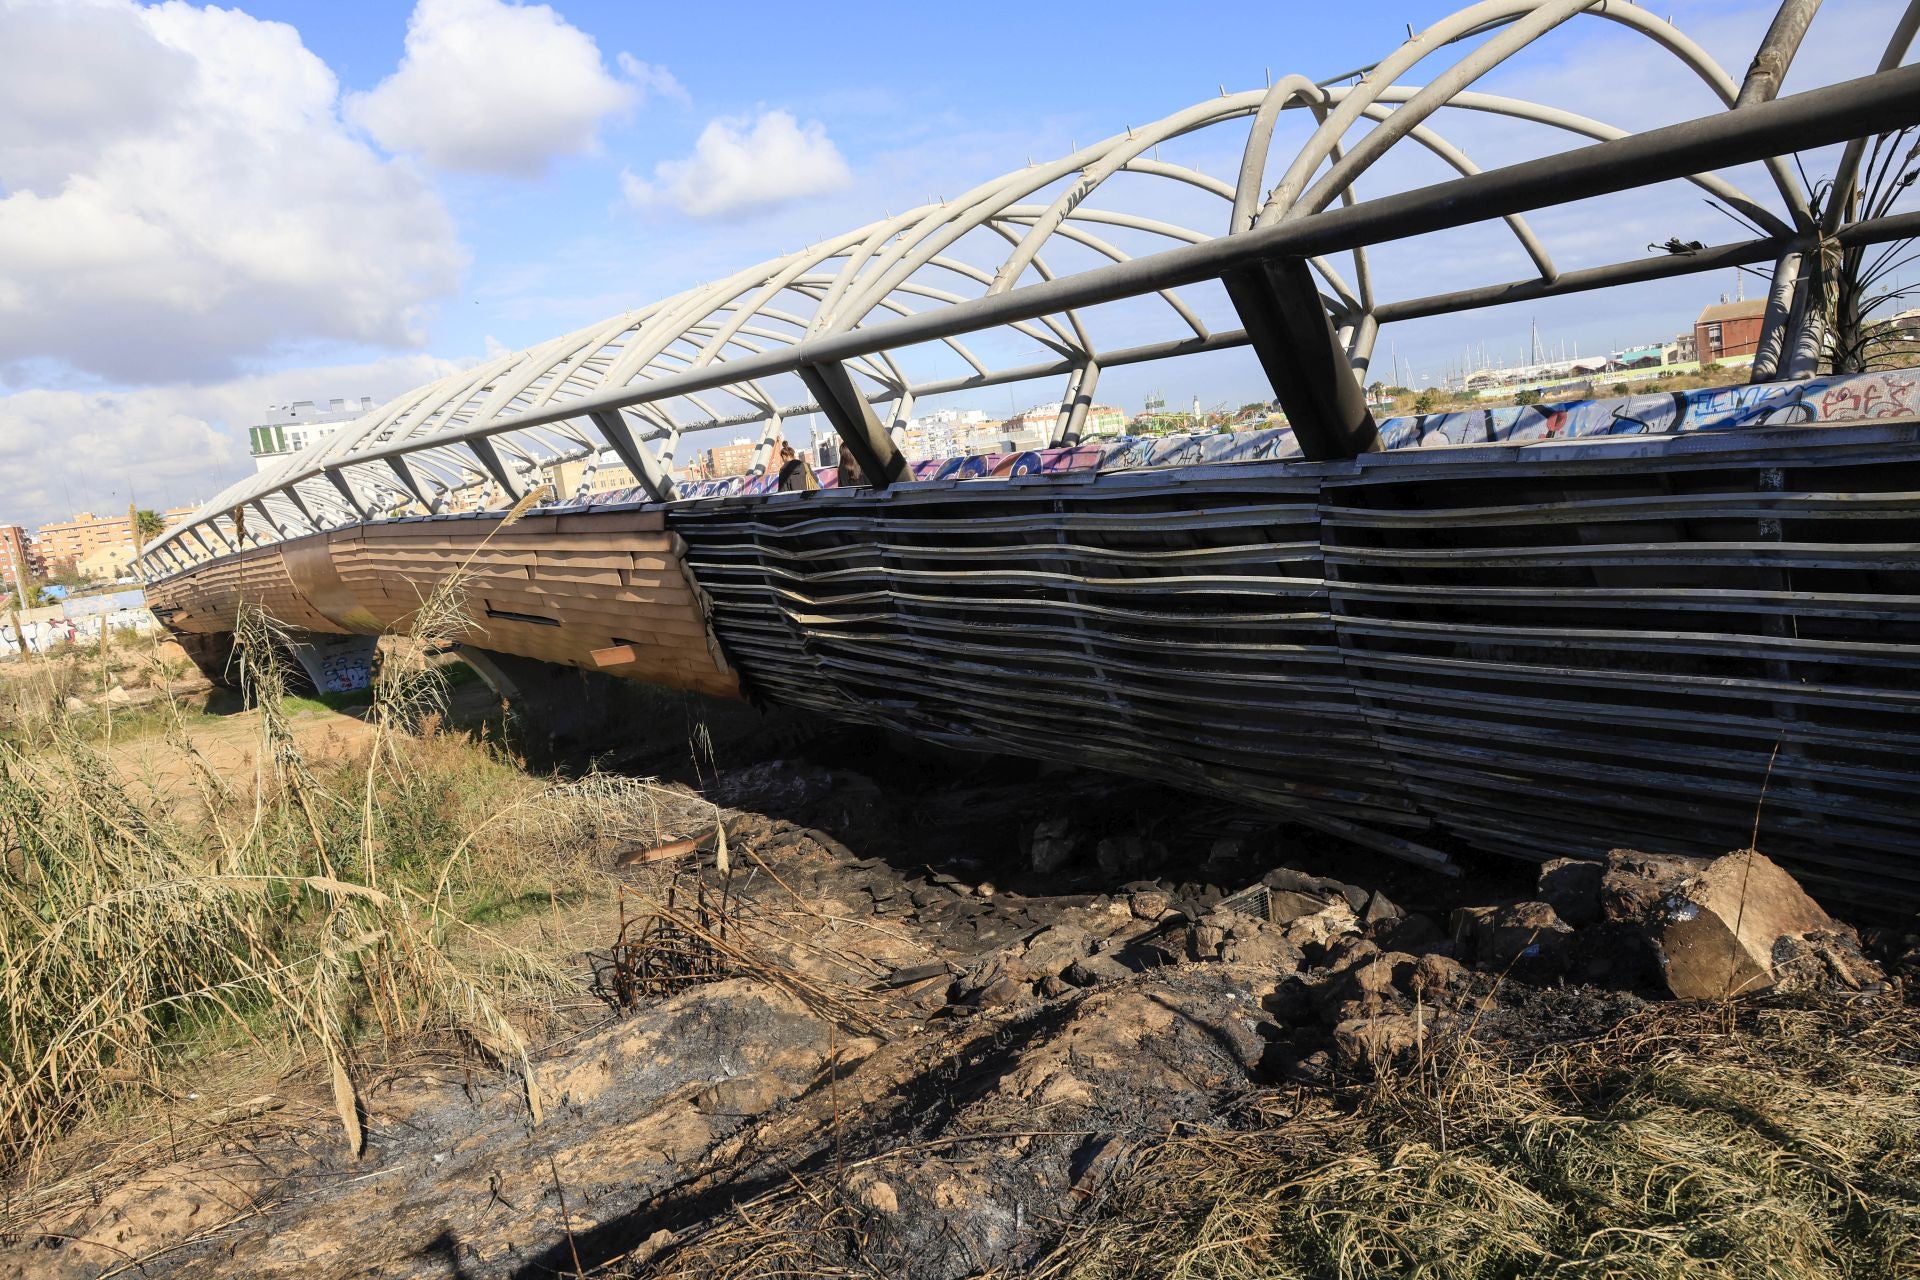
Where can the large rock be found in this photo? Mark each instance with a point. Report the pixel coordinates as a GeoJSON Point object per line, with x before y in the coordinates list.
{"type": "Point", "coordinates": [1526, 938]}
{"type": "Point", "coordinates": [1729, 927]}
{"type": "Point", "coordinates": [1332, 921]}
{"type": "Point", "coordinates": [1053, 844]}
{"type": "Point", "coordinates": [1571, 886]}
{"type": "Point", "coordinates": [1232, 938]}
{"type": "Point", "coordinates": [1051, 951]}
{"type": "Point", "coordinates": [1288, 879]}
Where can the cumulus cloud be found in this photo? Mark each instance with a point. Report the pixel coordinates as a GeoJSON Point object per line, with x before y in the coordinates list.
{"type": "Point", "coordinates": [62, 451]}
{"type": "Point", "coordinates": [740, 164]}
{"type": "Point", "coordinates": [178, 192]}
{"type": "Point", "coordinates": [492, 87]}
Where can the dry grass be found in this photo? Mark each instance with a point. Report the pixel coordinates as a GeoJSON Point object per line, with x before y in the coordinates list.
{"type": "Point", "coordinates": [1752, 1141]}
{"type": "Point", "coordinates": [300, 913]}
{"type": "Point", "coordinates": [1745, 1140]}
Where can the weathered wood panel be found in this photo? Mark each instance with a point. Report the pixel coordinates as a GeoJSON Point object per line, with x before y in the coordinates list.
{"type": "Point", "coordinates": [555, 588]}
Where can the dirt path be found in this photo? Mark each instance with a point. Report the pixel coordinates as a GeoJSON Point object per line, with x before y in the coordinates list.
{"type": "Point", "coordinates": [229, 745]}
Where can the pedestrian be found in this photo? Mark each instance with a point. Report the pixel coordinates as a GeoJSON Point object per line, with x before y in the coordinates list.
{"type": "Point", "coordinates": [795, 474]}
{"type": "Point", "coordinates": [851, 476]}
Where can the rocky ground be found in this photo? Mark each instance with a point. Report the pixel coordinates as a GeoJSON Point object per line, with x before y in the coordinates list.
{"type": "Point", "coordinates": [925, 1016]}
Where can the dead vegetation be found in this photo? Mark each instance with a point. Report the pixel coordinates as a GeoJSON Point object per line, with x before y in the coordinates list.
{"type": "Point", "coordinates": [294, 915]}
{"type": "Point", "coordinates": [1773, 1139]}
{"type": "Point", "coordinates": [1768, 1140]}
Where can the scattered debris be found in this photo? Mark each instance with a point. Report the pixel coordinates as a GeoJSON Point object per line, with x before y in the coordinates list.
{"type": "Point", "coordinates": [877, 1045]}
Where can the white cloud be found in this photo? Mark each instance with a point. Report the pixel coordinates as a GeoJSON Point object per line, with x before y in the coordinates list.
{"type": "Point", "coordinates": [654, 81]}
{"type": "Point", "coordinates": [492, 87]}
{"type": "Point", "coordinates": [63, 451]}
{"type": "Point", "coordinates": [739, 164]}
{"type": "Point", "coordinates": [177, 191]}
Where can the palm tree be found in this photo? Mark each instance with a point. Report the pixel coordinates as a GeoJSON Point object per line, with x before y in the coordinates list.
{"type": "Point", "coordinates": [147, 525]}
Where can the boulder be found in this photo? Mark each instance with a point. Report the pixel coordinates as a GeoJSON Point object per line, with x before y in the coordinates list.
{"type": "Point", "coordinates": [1333, 920]}
{"type": "Point", "coordinates": [1380, 910]}
{"type": "Point", "coordinates": [1377, 1041]}
{"type": "Point", "coordinates": [1049, 952]}
{"type": "Point", "coordinates": [1053, 845]}
{"type": "Point", "coordinates": [1095, 969]}
{"type": "Point", "coordinates": [1436, 976]}
{"type": "Point", "coordinates": [1633, 883]}
{"type": "Point", "coordinates": [1290, 880]}
{"type": "Point", "coordinates": [1287, 905]}
{"type": "Point", "coordinates": [1571, 886]}
{"type": "Point", "coordinates": [1368, 985]}
{"type": "Point", "coordinates": [1520, 935]}
{"type": "Point", "coordinates": [1729, 927]}
{"type": "Point", "coordinates": [1149, 904]}
{"type": "Point", "coordinates": [1001, 991]}
{"type": "Point", "coordinates": [1348, 950]}
{"type": "Point", "coordinates": [1264, 947]}
{"type": "Point", "coordinates": [1206, 938]}
{"type": "Point", "coordinates": [1232, 938]}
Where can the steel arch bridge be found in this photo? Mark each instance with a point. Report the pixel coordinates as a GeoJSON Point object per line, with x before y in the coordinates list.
{"type": "Point", "coordinates": [866, 323]}
{"type": "Point", "coordinates": [1272, 628]}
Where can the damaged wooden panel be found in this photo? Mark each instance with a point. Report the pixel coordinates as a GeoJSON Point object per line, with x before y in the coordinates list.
{"type": "Point", "coordinates": [567, 591]}
{"type": "Point", "coordinates": [1540, 651]}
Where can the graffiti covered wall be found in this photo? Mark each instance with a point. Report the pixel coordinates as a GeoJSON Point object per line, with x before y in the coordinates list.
{"type": "Point", "coordinates": [1837, 400]}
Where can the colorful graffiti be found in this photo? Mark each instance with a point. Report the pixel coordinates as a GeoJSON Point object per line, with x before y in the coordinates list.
{"type": "Point", "coordinates": [1831, 401]}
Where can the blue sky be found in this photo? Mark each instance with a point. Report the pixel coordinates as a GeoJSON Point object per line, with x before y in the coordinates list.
{"type": "Point", "coordinates": [203, 212]}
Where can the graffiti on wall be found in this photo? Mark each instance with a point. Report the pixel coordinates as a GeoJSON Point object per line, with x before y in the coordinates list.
{"type": "Point", "coordinates": [1860, 397]}
{"type": "Point", "coordinates": [1834, 401]}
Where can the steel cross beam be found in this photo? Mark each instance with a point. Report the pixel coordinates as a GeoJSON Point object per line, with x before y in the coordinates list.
{"type": "Point", "coordinates": [639, 461]}
{"type": "Point", "coordinates": [858, 426]}
{"type": "Point", "coordinates": [1288, 327]}
{"type": "Point", "coordinates": [1887, 100]}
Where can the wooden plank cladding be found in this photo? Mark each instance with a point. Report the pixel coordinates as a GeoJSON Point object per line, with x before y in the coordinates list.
{"type": "Point", "coordinates": [558, 588]}
{"type": "Point", "coordinates": [1539, 651]}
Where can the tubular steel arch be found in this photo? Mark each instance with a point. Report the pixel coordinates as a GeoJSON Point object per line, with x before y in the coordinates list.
{"type": "Point", "coordinates": [884, 307]}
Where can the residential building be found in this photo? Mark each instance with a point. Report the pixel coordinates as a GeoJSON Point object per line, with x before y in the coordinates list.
{"type": "Point", "coordinates": [734, 459]}
{"type": "Point", "coordinates": [293, 427]}
{"type": "Point", "coordinates": [1728, 329]}
{"type": "Point", "coordinates": [106, 563]}
{"type": "Point", "coordinates": [1034, 428]}
{"type": "Point", "coordinates": [18, 553]}
{"type": "Point", "coordinates": [580, 478]}
{"type": "Point", "coordinates": [68, 543]}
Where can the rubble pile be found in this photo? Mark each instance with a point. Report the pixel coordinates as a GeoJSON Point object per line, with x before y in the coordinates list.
{"type": "Point", "coordinates": [1025, 1027]}
{"type": "Point", "coordinates": [1353, 973]}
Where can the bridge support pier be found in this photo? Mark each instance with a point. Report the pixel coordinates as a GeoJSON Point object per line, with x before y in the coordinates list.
{"type": "Point", "coordinates": [859, 427]}
{"type": "Point", "coordinates": [335, 664]}
{"type": "Point", "coordinates": [1286, 324]}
